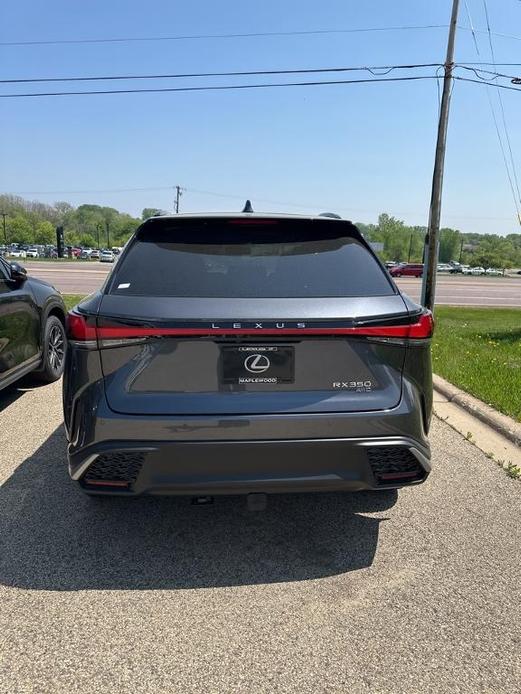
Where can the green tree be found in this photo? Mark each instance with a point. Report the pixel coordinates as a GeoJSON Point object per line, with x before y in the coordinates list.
{"type": "Point", "coordinates": [44, 233]}
{"type": "Point", "coordinates": [395, 236]}
{"type": "Point", "coordinates": [151, 212]}
{"type": "Point", "coordinates": [87, 240]}
{"type": "Point", "coordinates": [19, 230]}
{"type": "Point", "coordinates": [450, 243]}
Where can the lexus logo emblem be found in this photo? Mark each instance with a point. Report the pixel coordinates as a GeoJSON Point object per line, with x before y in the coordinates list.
{"type": "Point", "coordinates": [257, 363]}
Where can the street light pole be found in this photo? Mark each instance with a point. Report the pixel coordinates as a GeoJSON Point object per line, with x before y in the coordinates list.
{"type": "Point", "coordinates": [431, 255]}
{"type": "Point", "coordinates": [178, 194]}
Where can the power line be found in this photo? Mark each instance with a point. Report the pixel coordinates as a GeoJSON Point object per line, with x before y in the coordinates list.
{"type": "Point", "coordinates": [197, 37]}
{"type": "Point", "coordinates": [372, 69]}
{"type": "Point", "coordinates": [478, 74]}
{"type": "Point", "coordinates": [243, 196]}
{"type": "Point", "coordinates": [486, 84]}
{"type": "Point", "coordinates": [220, 87]}
{"type": "Point", "coordinates": [505, 127]}
{"type": "Point", "coordinates": [489, 63]}
{"type": "Point", "coordinates": [493, 33]}
{"type": "Point", "coordinates": [93, 191]}
{"type": "Point", "coordinates": [245, 35]}
{"type": "Point", "coordinates": [481, 71]}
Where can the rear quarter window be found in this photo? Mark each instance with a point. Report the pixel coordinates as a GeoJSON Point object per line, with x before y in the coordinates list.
{"type": "Point", "coordinates": [234, 258]}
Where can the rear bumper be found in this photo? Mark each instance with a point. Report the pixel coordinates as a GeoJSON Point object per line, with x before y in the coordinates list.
{"type": "Point", "coordinates": [240, 467]}
{"type": "Point", "coordinates": [226, 454]}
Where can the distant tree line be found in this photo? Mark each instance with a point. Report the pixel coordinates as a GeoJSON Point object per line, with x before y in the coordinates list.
{"type": "Point", "coordinates": [91, 226]}
{"type": "Point", "coordinates": [95, 226]}
{"type": "Point", "coordinates": [404, 243]}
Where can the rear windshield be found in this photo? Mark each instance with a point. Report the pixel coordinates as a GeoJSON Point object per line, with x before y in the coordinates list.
{"type": "Point", "coordinates": [248, 259]}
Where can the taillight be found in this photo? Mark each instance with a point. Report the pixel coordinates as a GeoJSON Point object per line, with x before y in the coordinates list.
{"type": "Point", "coordinates": [424, 327]}
{"type": "Point", "coordinates": [79, 329]}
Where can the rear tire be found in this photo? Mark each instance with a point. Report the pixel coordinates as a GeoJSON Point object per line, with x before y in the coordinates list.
{"type": "Point", "coordinates": [54, 348]}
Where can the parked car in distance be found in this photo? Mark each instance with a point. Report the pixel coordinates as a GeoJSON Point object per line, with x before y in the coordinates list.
{"type": "Point", "coordinates": [477, 270]}
{"type": "Point", "coordinates": [84, 254]}
{"type": "Point", "coordinates": [444, 267]}
{"type": "Point", "coordinates": [494, 271]}
{"type": "Point", "coordinates": [391, 263]}
{"type": "Point", "coordinates": [17, 253]}
{"type": "Point", "coordinates": [32, 326]}
{"type": "Point", "coordinates": [223, 356]}
{"type": "Point", "coordinates": [94, 254]}
{"type": "Point", "coordinates": [32, 253]}
{"type": "Point", "coordinates": [106, 257]}
{"type": "Point", "coordinates": [407, 270]}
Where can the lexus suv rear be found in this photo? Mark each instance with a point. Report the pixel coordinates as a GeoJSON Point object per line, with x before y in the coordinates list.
{"type": "Point", "coordinates": [247, 353]}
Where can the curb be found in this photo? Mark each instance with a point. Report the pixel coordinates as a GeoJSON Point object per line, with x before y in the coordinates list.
{"type": "Point", "coordinates": [504, 425]}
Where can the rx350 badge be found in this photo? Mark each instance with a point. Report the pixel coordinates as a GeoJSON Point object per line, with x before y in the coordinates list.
{"type": "Point", "coordinates": [357, 386]}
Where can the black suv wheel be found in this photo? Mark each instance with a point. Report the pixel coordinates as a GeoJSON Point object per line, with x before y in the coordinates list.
{"type": "Point", "coordinates": [54, 347]}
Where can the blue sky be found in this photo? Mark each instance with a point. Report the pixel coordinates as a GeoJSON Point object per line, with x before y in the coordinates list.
{"type": "Point", "coordinates": [356, 149]}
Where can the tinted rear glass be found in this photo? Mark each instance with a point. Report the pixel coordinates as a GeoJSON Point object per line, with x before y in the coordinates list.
{"type": "Point", "coordinates": [269, 258]}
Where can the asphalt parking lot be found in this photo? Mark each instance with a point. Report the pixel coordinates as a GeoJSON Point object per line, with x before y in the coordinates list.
{"type": "Point", "coordinates": [415, 592]}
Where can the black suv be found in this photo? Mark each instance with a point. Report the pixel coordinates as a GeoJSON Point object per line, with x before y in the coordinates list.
{"type": "Point", "coordinates": [240, 353]}
{"type": "Point", "coordinates": [32, 327]}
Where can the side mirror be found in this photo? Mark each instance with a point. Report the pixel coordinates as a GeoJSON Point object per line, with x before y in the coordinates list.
{"type": "Point", "coordinates": [18, 273]}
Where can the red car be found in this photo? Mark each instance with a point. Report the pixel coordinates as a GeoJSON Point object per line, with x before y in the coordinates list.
{"type": "Point", "coordinates": [407, 270]}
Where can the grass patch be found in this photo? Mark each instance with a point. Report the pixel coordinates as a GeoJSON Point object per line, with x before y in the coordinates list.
{"type": "Point", "coordinates": [72, 299]}
{"type": "Point", "coordinates": [479, 350]}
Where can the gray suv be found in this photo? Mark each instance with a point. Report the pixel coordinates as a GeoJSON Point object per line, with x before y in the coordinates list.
{"type": "Point", "coordinates": [243, 353]}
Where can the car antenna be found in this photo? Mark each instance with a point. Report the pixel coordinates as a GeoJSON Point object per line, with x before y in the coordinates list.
{"type": "Point", "coordinates": [247, 207]}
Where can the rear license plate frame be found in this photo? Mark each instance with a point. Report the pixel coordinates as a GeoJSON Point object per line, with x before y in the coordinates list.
{"type": "Point", "coordinates": [257, 364]}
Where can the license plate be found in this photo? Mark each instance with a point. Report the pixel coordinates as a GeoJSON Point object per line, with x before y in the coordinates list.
{"type": "Point", "coordinates": [257, 364]}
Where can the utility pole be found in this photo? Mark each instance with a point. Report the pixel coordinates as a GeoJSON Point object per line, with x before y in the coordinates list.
{"type": "Point", "coordinates": [431, 255]}
{"type": "Point", "coordinates": [178, 193]}
{"type": "Point", "coordinates": [4, 215]}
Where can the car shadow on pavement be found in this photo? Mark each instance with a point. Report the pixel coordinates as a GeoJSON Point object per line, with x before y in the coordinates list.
{"type": "Point", "coordinates": [10, 395]}
{"type": "Point", "coordinates": [53, 537]}
{"type": "Point", "coordinates": [16, 390]}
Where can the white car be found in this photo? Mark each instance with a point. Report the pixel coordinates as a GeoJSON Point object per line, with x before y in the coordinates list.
{"type": "Point", "coordinates": [106, 257]}
{"type": "Point", "coordinates": [32, 253]}
{"type": "Point", "coordinates": [494, 271]}
{"type": "Point", "coordinates": [477, 270]}
{"type": "Point", "coordinates": [444, 267]}
{"type": "Point", "coordinates": [17, 253]}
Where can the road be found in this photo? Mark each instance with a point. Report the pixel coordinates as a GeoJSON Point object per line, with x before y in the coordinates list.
{"type": "Point", "coordinates": [78, 277]}
{"type": "Point", "coordinates": [408, 593]}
